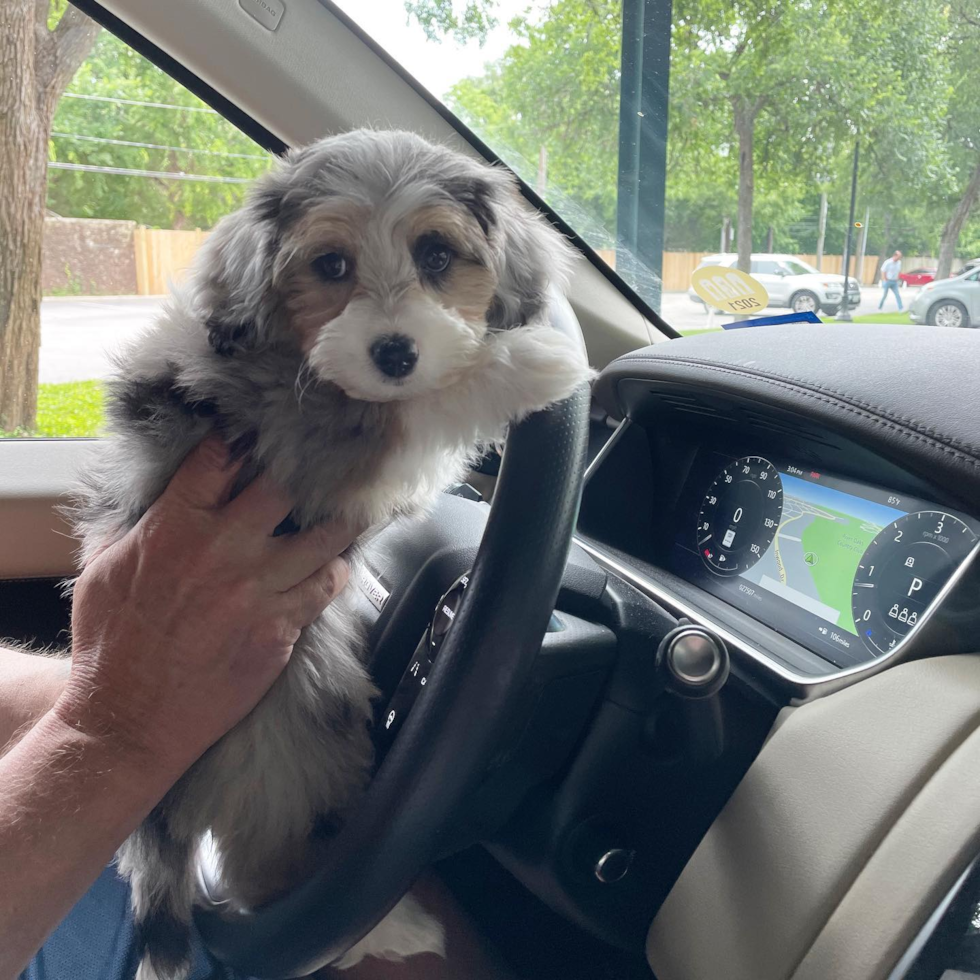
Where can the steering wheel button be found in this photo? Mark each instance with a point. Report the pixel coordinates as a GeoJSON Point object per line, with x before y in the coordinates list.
{"type": "Point", "coordinates": [445, 614]}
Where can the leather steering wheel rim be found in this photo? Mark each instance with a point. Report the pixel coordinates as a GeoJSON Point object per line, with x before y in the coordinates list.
{"type": "Point", "coordinates": [448, 741]}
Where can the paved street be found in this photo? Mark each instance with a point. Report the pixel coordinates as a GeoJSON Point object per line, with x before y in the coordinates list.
{"type": "Point", "coordinates": [78, 335]}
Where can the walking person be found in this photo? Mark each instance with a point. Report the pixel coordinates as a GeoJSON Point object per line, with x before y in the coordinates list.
{"type": "Point", "coordinates": [889, 279]}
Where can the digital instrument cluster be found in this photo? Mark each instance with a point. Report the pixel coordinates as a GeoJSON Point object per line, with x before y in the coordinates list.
{"type": "Point", "coordinates": [845, 568]}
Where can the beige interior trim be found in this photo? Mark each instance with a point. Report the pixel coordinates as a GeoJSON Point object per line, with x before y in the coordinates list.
{"type": "Point", "coordinates": [35, 475]}
{"type": "Point", "coordinates": [856, 818]}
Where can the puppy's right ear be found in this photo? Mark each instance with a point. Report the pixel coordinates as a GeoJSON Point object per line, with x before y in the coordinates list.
{"type": "Point", "coordinates": [232, 274]}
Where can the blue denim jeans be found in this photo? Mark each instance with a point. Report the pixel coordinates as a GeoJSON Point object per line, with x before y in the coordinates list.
{"type": "Point", "coordinates": [892, 285]}
{"type": "Point", "coordinates": [97, 941]}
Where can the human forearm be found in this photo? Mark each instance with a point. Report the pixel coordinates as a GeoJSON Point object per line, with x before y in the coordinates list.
{"type": "Point", "coordinates": [69, 800]}
{"type": "Point", "coordinates": [29, 686]}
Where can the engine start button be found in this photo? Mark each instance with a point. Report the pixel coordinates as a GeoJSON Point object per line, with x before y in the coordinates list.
{"type": "Point", "coordinates": [445, 614]}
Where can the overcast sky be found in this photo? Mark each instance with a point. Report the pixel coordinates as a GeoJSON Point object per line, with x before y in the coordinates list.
{"type": "Point", "coordinates": [436, 66]}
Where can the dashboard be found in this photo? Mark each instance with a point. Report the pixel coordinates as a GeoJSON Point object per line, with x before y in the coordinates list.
{"type": "Point", "coordinates": [817, 516]}
{"type": "Point", "coordinates": [845, 568]}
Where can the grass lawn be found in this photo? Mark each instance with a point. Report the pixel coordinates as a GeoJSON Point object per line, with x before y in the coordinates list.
{"type": "Point", "coordinates": [893, 317]}
{"type": "Point", "coordinates": [73, 409]}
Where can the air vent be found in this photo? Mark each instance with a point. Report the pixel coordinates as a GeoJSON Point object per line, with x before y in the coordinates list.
{"type": "Point", "coordinates": [784, 425]}
{"type": "Point", "coordinates": [690, 404]}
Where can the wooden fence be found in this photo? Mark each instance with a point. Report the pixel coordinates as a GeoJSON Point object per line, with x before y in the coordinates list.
{"type": "Point", "coordinates": [162, 257]}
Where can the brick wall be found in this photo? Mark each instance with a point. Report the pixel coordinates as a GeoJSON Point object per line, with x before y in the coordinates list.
{"type": "Point", "coordinates": [88, 257]}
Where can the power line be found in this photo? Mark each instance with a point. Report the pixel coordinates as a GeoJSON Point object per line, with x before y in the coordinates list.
{"type": "Point", "coordinates": [159, 146]}
{"type": "Point", "coordinates": [148, 105]}
{"type": "Point", "coordinates": [159, 174]}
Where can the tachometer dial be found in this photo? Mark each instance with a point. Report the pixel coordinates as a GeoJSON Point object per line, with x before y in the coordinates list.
{"type": "Point", "coordinates": [740, 515]}
{"type": "Point", "coordinates": [902, 571]}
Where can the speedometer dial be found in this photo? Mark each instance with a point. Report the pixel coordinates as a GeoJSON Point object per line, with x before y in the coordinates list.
{"type": "Point", "coordinates": [903, 570]}
{"type": "Point", "coordinates": [740, 515]}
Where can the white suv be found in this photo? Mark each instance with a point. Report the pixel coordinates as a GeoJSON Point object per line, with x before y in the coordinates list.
{"type": "Point", "coordinates": [792, 283]}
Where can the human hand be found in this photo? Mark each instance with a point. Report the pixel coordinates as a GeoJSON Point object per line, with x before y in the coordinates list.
{"type": "Point", "coordinates": [180, 627]}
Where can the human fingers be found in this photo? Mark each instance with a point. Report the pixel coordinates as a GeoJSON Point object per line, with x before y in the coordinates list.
{"type": "Point", "coordinates": [311, 596]}
{"type": "Point", "coordinates": [261, 506]}
{"type": "Point", "coordinates": [298, 556]}
{"type": "Point", "coordinates": [205, 478]}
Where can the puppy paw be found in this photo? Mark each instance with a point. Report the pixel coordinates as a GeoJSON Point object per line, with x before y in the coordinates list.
{"type": "Point", "coordinates": [547, 366]}
{"type": "Point", "coordinates": [406, 931]}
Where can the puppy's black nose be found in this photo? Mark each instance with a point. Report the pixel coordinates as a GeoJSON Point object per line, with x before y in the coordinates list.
{"type": "Point", "coordinates": [395, 355]}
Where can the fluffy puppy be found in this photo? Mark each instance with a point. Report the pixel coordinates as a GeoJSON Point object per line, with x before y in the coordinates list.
{"type": "Point", "coordinates": [368, 319]}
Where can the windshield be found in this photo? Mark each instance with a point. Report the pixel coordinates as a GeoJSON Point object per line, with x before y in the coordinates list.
{"type": "Point", "coordinates": [663, 132]}
{"type": "Point", "coordinates": [797, 268]}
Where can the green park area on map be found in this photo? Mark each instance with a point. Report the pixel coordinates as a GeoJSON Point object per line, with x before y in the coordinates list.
{"type": "Point", "coordinates": [838, 545]}
{"type": "Point", "coordinates": [816, 551]}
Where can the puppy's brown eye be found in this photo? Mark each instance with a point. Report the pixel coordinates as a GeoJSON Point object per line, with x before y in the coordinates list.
{"type": "Point", "coordinates": [435, 257]}
{"type": "Point", "coordinates": [331, 267]}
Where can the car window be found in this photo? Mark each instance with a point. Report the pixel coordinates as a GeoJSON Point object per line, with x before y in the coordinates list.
{"type": "Point", "coordinates": [765, 267]}
{"type": "Point", "coordinates": [653, 128]}
{"type": "Point", "coordinates": [797, 268]}
{"type": "Point", "coordinates": [133, 171]}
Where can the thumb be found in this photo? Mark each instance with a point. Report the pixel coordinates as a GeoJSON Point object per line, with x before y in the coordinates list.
{"type": "Point", "coordinates": [205, 478]}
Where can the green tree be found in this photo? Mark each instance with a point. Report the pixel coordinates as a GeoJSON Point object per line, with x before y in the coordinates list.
{"type": "Point", "coordinates": [98, 125]}
{"type": "Point", "coordinates": [962, 131]}
{"type": "Point", "coordinates": [557, 89]}
{"type": "Point", "coordinates": [804, 80]}
{"type": "Point", "coordinates": [441, 17]}
{"type": "Point", "coordinates": [766, 99]}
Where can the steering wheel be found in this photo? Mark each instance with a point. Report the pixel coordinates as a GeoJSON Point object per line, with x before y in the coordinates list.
{"type": "Point", "coordinates": [450, 739]}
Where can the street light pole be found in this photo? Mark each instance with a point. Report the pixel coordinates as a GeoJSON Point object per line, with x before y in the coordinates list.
{"type": "Point", "coordinates": [844, 314]}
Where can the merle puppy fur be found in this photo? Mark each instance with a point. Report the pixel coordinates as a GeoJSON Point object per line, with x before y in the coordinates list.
{"type": "Point", "coordinates": [368, 319]}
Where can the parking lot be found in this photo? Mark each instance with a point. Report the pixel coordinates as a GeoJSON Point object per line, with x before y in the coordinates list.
{"type": "Point", "coordinates": [680, 312]}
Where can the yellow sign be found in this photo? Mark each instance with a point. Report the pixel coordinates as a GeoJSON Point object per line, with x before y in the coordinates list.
{"type": "Point", "coordinates": [730, 290]}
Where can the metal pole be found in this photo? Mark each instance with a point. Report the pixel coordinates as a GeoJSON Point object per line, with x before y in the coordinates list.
{"type": "Point", "coordinates": [821, 231]}
{"type": "Point", "coordinates": [845, 313]}
{"type": "Point", "coordinates": [641, 188]}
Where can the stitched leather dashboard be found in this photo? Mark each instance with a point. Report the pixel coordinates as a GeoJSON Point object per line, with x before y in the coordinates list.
{"type": "Point", "coordinates": [908, 394]}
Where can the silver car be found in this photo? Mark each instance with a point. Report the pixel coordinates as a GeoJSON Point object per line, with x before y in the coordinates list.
{"type": "Point", "coordinates": [949, 302]}
{"type": "Point", "coordinates": [792, 283]}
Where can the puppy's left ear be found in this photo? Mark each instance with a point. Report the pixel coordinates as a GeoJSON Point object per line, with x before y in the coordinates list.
{"type": "Point", "coordinates": [533, 255]}
{"type": "Point", "coordinates": [232, 274]}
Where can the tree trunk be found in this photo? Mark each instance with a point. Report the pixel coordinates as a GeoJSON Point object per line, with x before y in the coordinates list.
{"type": "Point", "coordinates": [23, 168]}
{"type": "Point", "coordinates": [35, 66]}
{"type": "Point", "coordinates": [951, 230]}
{"type": "Point", "coordinates": [821, 231]}
{"type": "Point", "coordinates": [744, 116]}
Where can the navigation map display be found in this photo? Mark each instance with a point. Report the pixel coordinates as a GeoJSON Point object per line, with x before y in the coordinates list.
{"type": "Point", "coordinates": [822, 534]}
{"type": "Point", "coordinates": [845, 568]}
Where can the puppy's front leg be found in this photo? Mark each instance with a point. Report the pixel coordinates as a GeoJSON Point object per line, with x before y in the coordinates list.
{"type": "Point", "coordinates": [525, 369]}
{"type": "Point", "coordinates": [534, 367]}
